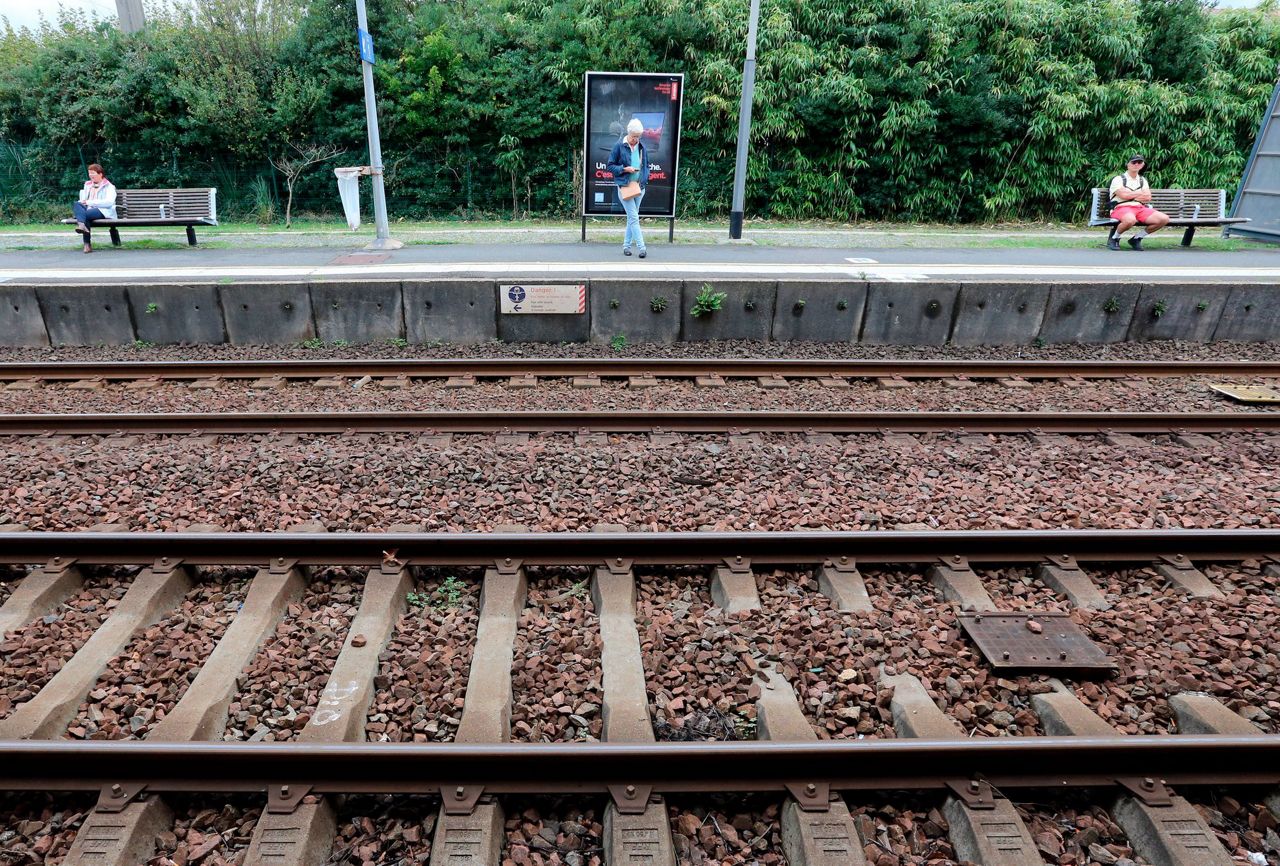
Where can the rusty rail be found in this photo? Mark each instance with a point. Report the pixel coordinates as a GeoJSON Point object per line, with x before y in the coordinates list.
{"type": "Point", "coordinates": [710, 421]}
{"type": "Point", "coordinates": [482, 368]}
{"type": "Point", "coordinates": [639, 548]}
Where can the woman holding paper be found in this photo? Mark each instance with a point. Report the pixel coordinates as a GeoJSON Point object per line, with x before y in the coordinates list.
{"type": "Point", "coordinates": [629, 165]}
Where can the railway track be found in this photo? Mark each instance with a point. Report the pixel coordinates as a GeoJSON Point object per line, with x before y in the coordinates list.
{"type": "Point", "coordinates": [523, 369]}
{"type": "Point", "coordinates": [974, 782]}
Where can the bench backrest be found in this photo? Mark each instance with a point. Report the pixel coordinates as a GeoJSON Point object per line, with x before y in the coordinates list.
{"type": "Point", "coordinates": [1177, 203]}
{"type": "Point", "coordinates": [137, 204]}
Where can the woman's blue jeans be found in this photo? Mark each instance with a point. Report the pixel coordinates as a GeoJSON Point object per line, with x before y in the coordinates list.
{"type": "Point", "coordinates": [84, 213]}
{"type": "Point", "coordinates": [632, 208]}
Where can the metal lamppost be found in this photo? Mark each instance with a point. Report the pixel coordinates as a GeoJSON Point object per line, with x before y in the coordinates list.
{"type": "Point", "coordinates": [382, 240]}
{"type": "Point", "coordinates": [744, 125]}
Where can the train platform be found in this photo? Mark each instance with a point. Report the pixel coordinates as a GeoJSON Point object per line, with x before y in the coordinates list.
{"type": "Point", "coordinates": [996, 258]}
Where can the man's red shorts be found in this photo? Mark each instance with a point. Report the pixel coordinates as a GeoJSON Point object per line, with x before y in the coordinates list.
{"type": "Point", "coordinates": [1141, 212]}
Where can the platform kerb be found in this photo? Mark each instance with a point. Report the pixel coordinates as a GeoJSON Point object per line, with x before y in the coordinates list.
{"type": "Point", "coordinates": [86, 315]}
{"type": "Point", "coordinates": [363, 311]}
{"type": "Point", "coordinates": [745, 314]}
{"type": "Point", "coordinates": [1251, 313]}
{"type": "Point", "coordinates": [171, 313]}
{"type": "Point", "coordinates": [453, 311]}
{"type": "Point", "coordinates": [634, 316]}
{"type": "Point", "coordinates": [263, 314]}
{"type": "Point", "coordinates": [998, 314]}
{"type": "Point", "coordinates": [1089, 313]}
{"type": "Point", "coordinates": [21, 322]}
{"type": "Point", "coordinates": [909, 315]}
{"type": "Point", "coordinates": [819, 310]}
{"type": "Point", "coordinates": [1173, 311]}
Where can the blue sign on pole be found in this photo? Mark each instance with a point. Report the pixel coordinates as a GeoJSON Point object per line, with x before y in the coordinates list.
{"type": "Point", "coordinates": [366, 45]}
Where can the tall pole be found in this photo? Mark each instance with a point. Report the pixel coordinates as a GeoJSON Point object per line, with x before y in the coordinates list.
{"type": "Point", "coordinates": [744, 125]}
{"type": "Point", "coordinates": [382, 240]}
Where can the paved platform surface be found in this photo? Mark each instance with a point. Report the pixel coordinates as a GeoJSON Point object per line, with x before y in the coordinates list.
{"type": "Point", "coordinates": [568, 261]}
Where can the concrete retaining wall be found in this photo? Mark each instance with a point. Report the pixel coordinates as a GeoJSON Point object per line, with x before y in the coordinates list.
{"type": "Point", "coordinates": [970, 313]}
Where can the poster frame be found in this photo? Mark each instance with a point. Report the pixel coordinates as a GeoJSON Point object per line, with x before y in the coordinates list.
{"type": "Point", "coordinates": [587, 76]}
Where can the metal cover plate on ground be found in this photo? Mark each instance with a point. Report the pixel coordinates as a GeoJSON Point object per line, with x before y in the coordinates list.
{"type": "Point", "coordinates": [1034, 640]}
{"type": "Point", "coordinates": [1249, 393]}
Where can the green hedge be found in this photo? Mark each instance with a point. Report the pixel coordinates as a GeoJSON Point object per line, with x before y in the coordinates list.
{"type": "Point", "coordinates": [936, 110]}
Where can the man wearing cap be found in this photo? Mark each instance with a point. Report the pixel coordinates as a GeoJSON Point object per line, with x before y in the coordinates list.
{"type": "Point", "coordinates": [1131, 205]}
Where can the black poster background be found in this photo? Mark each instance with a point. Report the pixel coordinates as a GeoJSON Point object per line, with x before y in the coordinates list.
{"type": "Point", "coordinates": [612, 99]}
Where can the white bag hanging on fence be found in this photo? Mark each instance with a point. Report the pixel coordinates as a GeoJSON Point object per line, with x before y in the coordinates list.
{"type": "Point", "coordinates": [349, 191]}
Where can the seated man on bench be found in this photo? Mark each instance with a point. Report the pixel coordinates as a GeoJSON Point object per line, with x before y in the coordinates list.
{"type": "Point", "coordinates": [97, 202]}
{"type": "Point", "coordinates": [1131, 205]}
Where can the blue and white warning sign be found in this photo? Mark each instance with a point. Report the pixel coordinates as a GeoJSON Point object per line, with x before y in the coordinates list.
{"type": "Point", "coordinates": [545, 299]}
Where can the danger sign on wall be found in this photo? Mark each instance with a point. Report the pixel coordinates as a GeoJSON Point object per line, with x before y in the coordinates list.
{"type": "Point", "coordinates": [545, 299]}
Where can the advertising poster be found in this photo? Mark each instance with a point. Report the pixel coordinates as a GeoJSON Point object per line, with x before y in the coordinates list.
{"type": "Point", "coordinates": [612, 100]}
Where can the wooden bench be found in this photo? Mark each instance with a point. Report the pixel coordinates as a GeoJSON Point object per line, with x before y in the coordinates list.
{"type": "Point", "coordinates": [161, 207]}
{"type": "Point", "coordinates": [1186, 207]}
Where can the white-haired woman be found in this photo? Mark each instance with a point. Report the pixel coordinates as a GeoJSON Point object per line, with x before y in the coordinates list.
{"type": "Point", "coordinates": [629, 162]}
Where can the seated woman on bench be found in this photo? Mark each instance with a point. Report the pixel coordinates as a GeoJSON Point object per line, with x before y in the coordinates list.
{"type": "Point", "coordinates": [97, 202]}
{"type": "Point", "coordinates": [1131, 205]}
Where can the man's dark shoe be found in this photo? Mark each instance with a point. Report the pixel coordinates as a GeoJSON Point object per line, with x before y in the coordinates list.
{"type": "Point", "coordinates": [1135, 243]}
{"type": "Point", "coordinates": [643, 253]}
{"type": "Point", "coordinates": [626, 252]}
{"type": "Point", "coordinates": [1113, 243]}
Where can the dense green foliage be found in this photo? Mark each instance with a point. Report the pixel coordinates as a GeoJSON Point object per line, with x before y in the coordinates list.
{"type": "Point", "coordinates": [938, 110]}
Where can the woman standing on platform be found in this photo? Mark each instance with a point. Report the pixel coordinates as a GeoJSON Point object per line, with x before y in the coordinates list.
{"type": "Point", "coordinates": [97, 202]}
{"type": "Point", "coordinates": [629, 163]}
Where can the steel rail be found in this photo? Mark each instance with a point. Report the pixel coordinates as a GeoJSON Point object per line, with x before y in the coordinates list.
{"type": "Point", "coordinates": [694, 421]}
{"type": "Point", "coordinates": [637, 548]}
{"type": "Point", "coordinates": [1006, 762]}
{"type": "Point", "coordinates": [625, 367]}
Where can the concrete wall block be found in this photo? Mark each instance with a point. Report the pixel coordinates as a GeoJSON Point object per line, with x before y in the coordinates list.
{"type": "Point", "coordinates": [746, 314]}
{"type": "Point", "coordinates": [904, 314]}
{"type": "Point", "coordinates": [1172, 311]}
{"type": "Point", "coordinates": [177, 313]}
{"type": "Point", "coordinates": [634, 317]}
{"type": "Point", "coordinates": [358, 311]}
{"type": "Point", "coordinates": [1089, 313]}
{"type": "Point", "coordinates": [832, 311]}
{"type": "Point", "coordinates": [86, 315]}
{"type": "Point", "coordinates": [456, 311]}
{"type": "Point", "coordinates": [261, 314]}
{"type": "Point", "coordinates": [999, 314]}
{"type": "Point", "coordinates": [543, 328]}
{"type": "Point", "coordinates": [1251, 313]}
{"type": "Point", "coordinates": [21, 322]}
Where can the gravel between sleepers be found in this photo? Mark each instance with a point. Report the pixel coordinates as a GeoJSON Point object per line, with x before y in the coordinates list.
{"type": "Point", "coordinates": [144, 683]}
{"type": "Point", "coordinates": [208, 830]}
{"type": "Point", "coordinates": [1070, 827]}
{"type": "Point", "coordinates": [552, 831]}
{"type": "Point", "coordinates": [35, 653]}
{"type": "Point", "coordinates": [380, 829]}
{"type": "Point", "coordinates": [556, 680]}
{"type": "Point", "coordinates": [423, 671]}
{"type": "Point", "coordinates": [734, 832]}
{"type": "Point", "coordinates": [553, 483]}
{"type": "Point", "coordinates": [1153, 351]}
{"type": "Point", "coordinates": [10, 579]}
{"type": "Point", "coordinates": [1148, 395]}
{"type": "Point", "coordinates": [38, 827]}
{"type": "Point", "coordinates": [280, 688]}
{"type": "Point", "coordinates": [1246, 829]}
